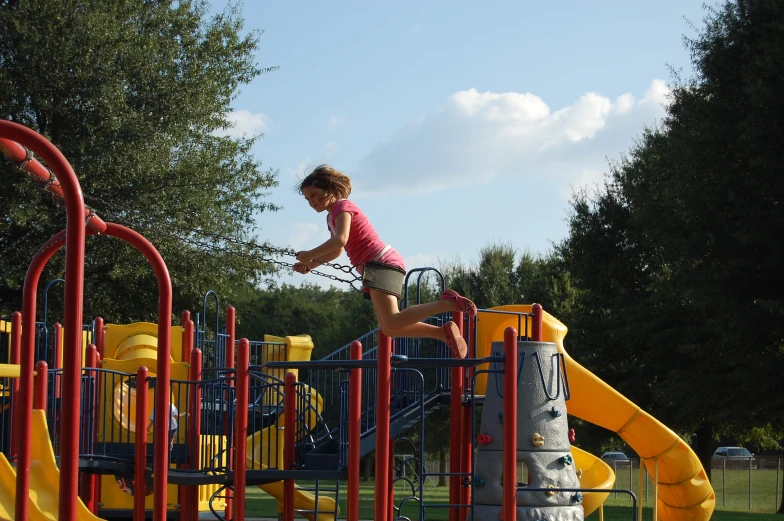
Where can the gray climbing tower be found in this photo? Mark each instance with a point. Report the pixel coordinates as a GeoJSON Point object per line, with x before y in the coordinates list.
{"type": "Point", "coordinates": [544, 459]}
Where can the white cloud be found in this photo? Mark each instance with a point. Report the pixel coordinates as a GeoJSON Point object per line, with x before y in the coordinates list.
{"type": "Point", "coordinates": [336, 122]}
{"type": "Point", "coordinates": [330, 149]}
{"type": "Point", "coordinates": [245, 124]}
{"type": "Point", "coordinates": [307, 235]}
{"type": "Point", "coordinates": [477, 136]}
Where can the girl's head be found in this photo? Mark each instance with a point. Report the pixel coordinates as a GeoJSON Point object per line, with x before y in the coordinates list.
{"type": "Point", "coordinates": [323, 186]}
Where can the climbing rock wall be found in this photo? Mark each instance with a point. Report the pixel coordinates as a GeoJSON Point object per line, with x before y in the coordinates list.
{"type": "Point", "coordinates": [543, 449]}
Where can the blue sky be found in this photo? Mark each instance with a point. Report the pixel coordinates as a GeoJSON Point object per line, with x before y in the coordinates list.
{"type": "Point", "coordinates": [460, 123]}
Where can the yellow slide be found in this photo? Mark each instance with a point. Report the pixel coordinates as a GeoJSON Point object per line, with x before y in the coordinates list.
{"type": "Point", "coordinates": [44, 479]}
{"type": "Point", "coordinates": [593, 473]}
{"type": "Point", "coordinates": [265, 444]}
{"type": "Point", "coordinates": [684, 491]}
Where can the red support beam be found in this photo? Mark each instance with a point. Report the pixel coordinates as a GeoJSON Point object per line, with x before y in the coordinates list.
{"type": "Point", "coordinates": [229, 363]}
{"type": "Point", "coordinates": [140, 458]}
{"type": "Point", "coordinates": [509, 510]}
{"type": "Point", "coordinates": [456, 433]}
{"type": "Point", "coordinates": [241, 432]}
{"type": "Point", "coordinates": [354, 418]}
{"type": "Point", "coordinates": [536, 323]}
{"type": "Point", "coordinates": [289, 440]}
{"type": "Point", "coordinates": [383, 379]}
{"type": "Point", "coordinates": [195, 421]}
{"type": "Point", "coordinates": [89, 481]}
{"type": "Point", "coordinates": [41, 382]}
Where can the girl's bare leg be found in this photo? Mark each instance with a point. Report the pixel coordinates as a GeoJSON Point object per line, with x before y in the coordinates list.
{"type": "Point", "coordinates": [408, 323]}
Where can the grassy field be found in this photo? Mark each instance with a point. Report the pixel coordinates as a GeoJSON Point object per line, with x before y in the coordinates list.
{"type": "Point", "coordinates": [617, 508]}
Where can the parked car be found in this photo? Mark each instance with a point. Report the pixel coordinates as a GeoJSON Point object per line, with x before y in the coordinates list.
{"type": "Point", "coordinates": [616, 459]}
{"type": "Point", "coordinates": [733, 457]}
{"type": "Point", "coordinates": [732, 452]}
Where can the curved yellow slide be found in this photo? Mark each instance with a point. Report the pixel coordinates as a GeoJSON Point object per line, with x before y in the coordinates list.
{"type": "Point", "coordinates": [44, 480]}
{"type": "Point", "coordinates": [593, 473]}
{"type": "Point", "coordinates": [684, 491]}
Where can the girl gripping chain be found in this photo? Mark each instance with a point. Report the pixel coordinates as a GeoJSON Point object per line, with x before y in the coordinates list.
{"type": "Point", "coordinates": [382, 268]}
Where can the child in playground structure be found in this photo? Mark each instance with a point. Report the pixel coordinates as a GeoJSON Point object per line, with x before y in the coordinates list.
{"type": "Point", "coordinates": [382, 268]}
{"type": "Point", "coordinates": [174, 416]}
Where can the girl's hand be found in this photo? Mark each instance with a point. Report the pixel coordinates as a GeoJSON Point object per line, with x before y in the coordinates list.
{"type": "Point", "coordinates": [301, 267]}
{"type": "Point", "coordinates": [305, 257]}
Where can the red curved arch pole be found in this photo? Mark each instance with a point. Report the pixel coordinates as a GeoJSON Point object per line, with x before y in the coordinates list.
{"type": "Point", "coordinates": [161, 446]}
{"type": "Point", "coordinates": [74, 286]}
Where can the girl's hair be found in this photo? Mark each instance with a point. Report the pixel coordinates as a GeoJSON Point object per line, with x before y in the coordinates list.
{"type": "Point", "coordinates": [329, 179]}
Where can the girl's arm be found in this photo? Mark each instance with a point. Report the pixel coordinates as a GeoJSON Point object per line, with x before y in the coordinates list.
{"type": "Point", "coordinates": [332, 248]}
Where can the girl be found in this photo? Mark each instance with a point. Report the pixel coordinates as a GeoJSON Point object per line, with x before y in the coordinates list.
{"type": "Point", "coordinates": [382, 267]}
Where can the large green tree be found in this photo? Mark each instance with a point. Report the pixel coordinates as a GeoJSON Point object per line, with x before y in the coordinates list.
{"type": "Point", "coordinates": [678, 255]}
{"type": "Point", "coordinates": [136, 94]}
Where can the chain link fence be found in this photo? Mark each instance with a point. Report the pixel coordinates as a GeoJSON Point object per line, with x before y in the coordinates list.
{"type": "Point", "coordinates": [739, 483]}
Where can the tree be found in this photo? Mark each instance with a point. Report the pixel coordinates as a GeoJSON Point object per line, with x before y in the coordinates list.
{"type": "Point", "coordinates": [136, 94]}
{"type": "Point", "coordinates": [675, 256]}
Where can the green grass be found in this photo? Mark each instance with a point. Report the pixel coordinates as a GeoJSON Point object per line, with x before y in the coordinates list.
{"type": "Point", "coordinates": [617, 508]}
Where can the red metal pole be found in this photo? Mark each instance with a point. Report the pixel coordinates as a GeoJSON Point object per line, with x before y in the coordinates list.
{"type": "Point", "coordinates": [74, 284]}
{"type": "Point", "coordinates": [354, 418]}
{"type": "Point", "coordinates": [195, 419]}
{"type": "Point", "coordinates": [391, 482]}
{"type": "Point", "coordinates": [456, 433]}
{"type": "Point", "coordinates": [140, 460]}
{"type": "Point", "coordinates": [88, 481]}
{"type": "Point", "coordinates": [241, 432]}
{"type": "Point", "coordinates": [100, 338]}
{"type": "Point", "coordinates": [97, 415]}
{"type": "Point", "coordinates": [383, 397]}
{"type": "Point", "coordinates": [289, 440]}
{"type": "Point", "coordinates": [536, 323]}
{"type": "Point", "coordinates": [467, 448]}
{"type": "Point", "coordinates": [229, 363]}
{"type": "Point", "coordinates": [41, 381]}
{"type": "Point", "coordinates": [510, 424]}
{"type": "Point", "coordinates": [16, 355]}
{"type": "Point", "coordinates": [186, 347]}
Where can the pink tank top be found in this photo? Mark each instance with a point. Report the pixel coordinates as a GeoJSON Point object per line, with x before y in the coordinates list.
{"type": "Point", "coordinates": [363, 242]}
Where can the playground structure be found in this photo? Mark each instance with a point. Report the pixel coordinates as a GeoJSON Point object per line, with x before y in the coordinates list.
{"type": "Point", "coordinates": [262, 413]}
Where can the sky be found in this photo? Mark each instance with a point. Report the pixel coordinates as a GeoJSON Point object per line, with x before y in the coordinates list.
{"type": "Point", "coordinates": [461, 124]}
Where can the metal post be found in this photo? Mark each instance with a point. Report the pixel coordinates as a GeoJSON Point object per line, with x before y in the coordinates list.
{"type": "Point", "coordinates": [383, 397]}
{"type": "Point", "coordinates": [354, 418]}
{"type": "Point", "coordinates": [456, 452]}
{"type": "Point", "coordinates": [656, 488]}
{"type": "Point", "coordinates": [140, 460]}
{"type": "Point", "coordinates": [241, 432]}
{"type": "Point", "coordinates": [88, 481]}
{"type": "Point", "coordinates": [724, 482]}
{"type": "Point", "coordinates": [536, 323]}
{"type": "Point", "coordinates": [510, 424]}
{"type": "Point", "coordinates": [41, 381]}
{"type": "Point", "coordinates": [640, 485]}
{"type": "Point", "coordinates": [228, 362]}
{"type": "Point", "coordinates": [289, 411]}
{"type": "Point", "coordinates": [100, 338]}
{"type": "Point", "coordinates": [750, 489]}
{"type": "Point", "coordinates": [194, 418]}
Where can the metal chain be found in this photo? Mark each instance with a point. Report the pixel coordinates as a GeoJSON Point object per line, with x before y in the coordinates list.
{"type": "Point", "coordinates": [259, 258]}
